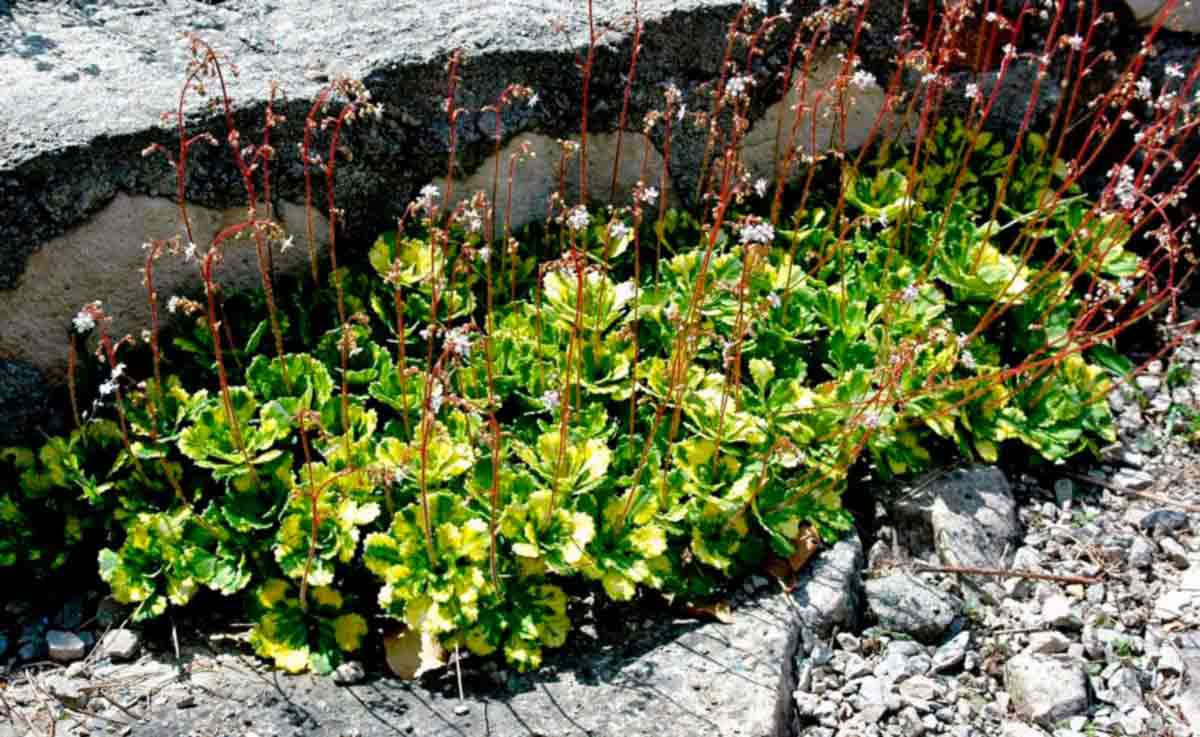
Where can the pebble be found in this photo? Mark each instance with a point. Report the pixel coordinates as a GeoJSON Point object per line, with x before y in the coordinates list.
{"type": "Point", "coordinates": [1174, 552]}
{"type": "Point", "coordinates": [65, 647]}
{"type": "Point", "coordinates": [1163, 521]}
{"type": "Point", "coordinates": [120, 644]}
{"type": "Point", "coordinates": [1141, 553]}
{"type": "Point", "coordinates": [349, 673]}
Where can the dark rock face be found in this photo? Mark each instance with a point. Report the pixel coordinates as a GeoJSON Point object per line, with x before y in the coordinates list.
{"type": "Point", "coordinates": [24, 398]}
{"type": "Point", "coordinates": [91, 81]}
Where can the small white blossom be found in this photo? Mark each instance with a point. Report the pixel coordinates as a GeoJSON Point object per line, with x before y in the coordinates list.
{"type": "Point", "coordinates": [427, 200]}
{"type": "Point", "coordinates": [760, 187]}
{"type": "Point", "coordinates": [1010, 50]}
{"type": "Point", "coordinates": [1143, 88]}
{"type": "Point", "coordinates": [485, 253]}
{"type": "Point", "coordinates": [972, 91]}
{"type": "Point", "coordinates": [1075, 42]}
{"type": "Point", "coordinates": [436, 398]}
{"type": "Point", "coordinates": [862, 79]}
{"type": "Point", "coordinates": [458, 342]}
{"type": "Point", "coordinates": [84, 322]}
{"type": "Point", "coordinates": [774, 300]}
{"type": "Point", "coordinates": [871, 419]}
{"type": "Point", "coordinates": [617, 230]}
{"type": "Point", "coordinates": [533, 100]}
{"type": "Point", "coordinates": [625, 292]}
{"type": "Point", "coordinates": [108, 387]}
{"type": "Point", "coordinates": [118, 371]}
{"type": "Point", "coordinates": [909, 294]}
{"type": "Point", "coordinates": [1176, 71]}
{"type": "Point", "coordinates": [173, 304]}
{"type": "Point", "coordinates": [967, 360]}
{"type": "Point", "coordinates": [760, 232]}
{"type": "Point", "coordinates": [737, 87]}
{"type": "Point", "coordinates": [189, 251]}
{"type": "Point", "coordinates": [649, 195]}
{"type": "Point", "coordinates": [551, 400]}
{"type": "Point", "coordinates": [577, 219]}
{"type": "Point", "coordinates": [286, 243]}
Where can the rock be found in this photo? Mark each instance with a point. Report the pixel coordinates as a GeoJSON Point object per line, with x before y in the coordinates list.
{"type": "Point", "coordinates": [71, 691]}
{"type": "Point", "coordinates": [1059, 612]}
{"type": "Point", "coordinates": [1019, 729]}
{"type": "Point", "coordinates": [828, 593]}
{"type": "Point", "coordinates": [120, 644]}
{"type": "Point", "coordinates": [1047, 643]}
{"type": "Point", "coordinates": [1163, 522]}
{"type": "Point", "coordinates": [24, 397]}
{"type": "Point", "coordinates": [920, 688]}
{"type": "Point", "coordinates": [65, 647]}
{"type": "Point", "coordinates": [1132, 478]}
{"type": "Point", "coordinates": [1046, 689]}
{"type": "Point", "coordinates": [951, 653]}
{"type": "Point", "coordinates": [904, 603]}
{"type": "Point", "coordinates": [968, 517]}
{"type": "Point", "coordinates": [1173, 604]}
{"type": "Point", "coordinates": [1064, 492]}
{"type": "Point", "coordinates": [1124, 688]}
{"type": "Point", "coordinates": [349, 673]}
{"type": "Point", "coordinates": [1141, 553]}
{"type": "Point", "coordinates": [1174, 552]}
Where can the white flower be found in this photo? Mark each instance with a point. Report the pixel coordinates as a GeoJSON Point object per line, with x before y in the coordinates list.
{"type": "Point", "coordinates": [972, 91]}
{"type": "Point", "coordinates": [284, 245]}
{"type": "Point", "coordinates": [737, 87]}
{"type": "Point", "coordinates": [1075, 42]}
{"type": "Point", "coordinates": [774, 300]}
{"type": "Point", "coordinates": [1176, 71]}
{"type": "Point", "coordinates": [673, 312]}
{"type": "Point", "coordinates": [577, 219]}
{"type": "Point", "coordinates": [426, 332]}
{"type": "Point", "coordinates": [967, 360]}
{"type": "Point", "coordinates": [485, 253]}
{"type": "Point", "coordinates": [909, 294]}
{"type": "Point", "coordinates": [458, 342]}
{"type": "Point", "coordinates": [649, 195]}
{"type": "Point", "coordinates": [1010, 50]}
{"type": "Point", "coordinates": [625, 292]}
{"type": "Point", "coordinates": [862, 79]}
{"type": "Point", "coordinates": [617, 230]}
{"type": "Point", "coordinates": [189, 251]}
{"type": "Point", "coordinates": [533, 100]}
{"type": "Point", "coordinates": [118, 371]}
{"type": "Point", "coordinates": [871, 419]}
{"type": "Point", "coordinates": [1144, 88]}
{"type": "Point", "coordinates": [427, 200]}
{"type": "Point", "coordinates": [173, 304]}
{"type": "Point", "coordinates": [108, 387]}
{"type": "Point", "coordinates": [1124, 188]}
{"type": "Point", "coordinates": [760, 187]}
{"type": "Point", "coordinates": [550, 400]}
{"type": "Point", "coordinates": [436, 397]}
{"type": "Point", "coordinates": [84, 321]}
{"type": "Point", "coordinates": [760, 232]}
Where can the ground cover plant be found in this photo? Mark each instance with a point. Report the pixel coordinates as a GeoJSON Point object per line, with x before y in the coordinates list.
{"type": "Point", "coordinates": [477, 422]}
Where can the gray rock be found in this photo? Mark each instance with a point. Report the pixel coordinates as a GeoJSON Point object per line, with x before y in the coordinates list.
{"type": "Point", "coordinates": [120, 644]}
{"type": "Point", "coordinates": [65, 647]}
{"type": "Point", "coordinates": [24, 397]}
{"type": "Point", "coordinates": [349, 673]}
{"type": "Point", "coordinates": [1163, 521]}
{"type": "Point", "coordinates": [1011, 728]}
{"type": "Point", "coordinates": [904, 603]}
{"type": "Point", "coordinates": [920, 688]}
{"type": "Point", "coordinates": [828, 593]}
{"type": "Point", "coordinates": [1059, 612]}
{"type": "Point", "coordinates": [1047, 643]}
{"type": "Point", "coordinates": [1132, 478]}
{"type": "Point", "coordinates": [73, 692]}
{"type": "Point", "coordinates": [1124, 688]}
{"type": "Point", "coordinates": [1141, 553]}
{"type": "Point", "coordinates": [1046, 689]}
{"type": "Point", "coordinates": [951, 653]}
{"type": "Point", "coordinates": [1174, 552]}
{"type": "Point", "coordinates": [970, 519]}
{"type": "Point", "coordinates": [1064, 492]}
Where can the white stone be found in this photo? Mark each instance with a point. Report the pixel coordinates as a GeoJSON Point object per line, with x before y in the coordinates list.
{"type": "Point", "coordinates": [1046, 689]}
{"type": "Point", "coordinates": [65, 647]}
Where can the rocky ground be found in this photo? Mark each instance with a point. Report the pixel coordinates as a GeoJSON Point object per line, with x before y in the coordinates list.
{"type": "Point", "coordinates": [1096, 630]}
